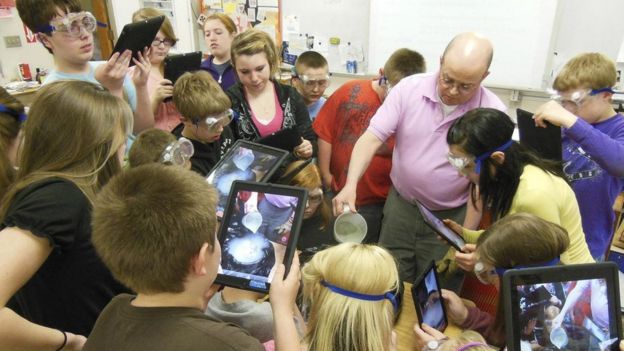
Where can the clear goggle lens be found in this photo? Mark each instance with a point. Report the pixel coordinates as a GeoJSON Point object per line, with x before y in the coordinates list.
{"type": "Point", "coordinates": [74, 22]}
{"type": "Point", "coordinates": [178, 152]}
{"type": "Point", "coordinates": [222, 120]}
{"type": "Point", "coordinates": [458, 162]}
{"type": "Point", "coordinates": [485, 276]}
{"type": "Point", "coordinates": [310, 82]}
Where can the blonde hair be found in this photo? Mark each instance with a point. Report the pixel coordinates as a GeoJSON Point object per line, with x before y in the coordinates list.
{"type": "Point", "coordinates": [197, 95]}
{"type": "Point", "coordinates": [309, 177]}
{"type": "Point", "coordinates": [150, 221]}
{"type": "Point", "coordinates": [254, 41]}
{"type": "Point", "coordinates": [9, 129]}
{"type": "Point", "coordinates": [338, 322]}
{"type": "Point", "coordinates": [464, 338]}
{"type": "Point", "coordinates": [149, 12]}
{"type": "Point", "coordinates": [73, 131]}
{"type": "Point", "coordinates": [227, 21]}
{"type": "Point", "coordinates": [591, 70]}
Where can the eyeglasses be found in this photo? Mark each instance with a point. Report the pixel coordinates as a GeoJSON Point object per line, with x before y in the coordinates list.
{"type": "Point", "coordinates": [459, 163]}
{"type": "Point", "coordinates": [575, 100]}
{"type": "Point", "coordinates": [73, 23]}
{"type": "Point", "coordinates": [311, 83]}
{"type": "Point", "coordinates": [167, 42]}
{"type": "Point", "coordinates": [219, 121]}
{"type": "Point", "coordinates": [383, 82]}
{"type": "Point", "coordinates": [178, 152]}
{"type": "Point", "coordinates": [449, 83]}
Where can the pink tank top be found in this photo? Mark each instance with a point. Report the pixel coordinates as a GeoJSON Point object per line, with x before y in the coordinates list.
{"type": "Point", "coordinates": [275, 124]}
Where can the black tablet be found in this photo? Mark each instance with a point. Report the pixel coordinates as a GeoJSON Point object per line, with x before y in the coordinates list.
{"type": "Point", "coordinates": [545, 141]}
{"type": "Point", "coordinates": [244, 161]}
{"type": "Point", "coordinates": [285, 139]}
{"type": "Point", "coordinates": [259, 231]}
{"type": "Point", "coordinates": [452, 238]}
{"type": "Point", "coordinates": [428, 299]}
{"type": "Point", "coordinates": [177, 65]}
{"type": "Point", "coordinates": [138, 35]}
{"type": "Point", "coordinates": [573, 307]}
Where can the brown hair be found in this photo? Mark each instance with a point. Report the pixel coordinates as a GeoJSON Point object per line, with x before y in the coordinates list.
{"type": "Point", "coordinates": [197, 95]}
{"type": "Point", "coordinates": [402, 63]}
{"type": "Point", "coordinates": [37, 14]}
{"type": "Point", "coordinates": [149, 12]}
{"type": "Point", "coordinates": [589, 70]}
{"type": "Point", "coordinates": [227, 21]}
{"type": "Point", "coordinates": [254, 41]}
{"type": "Point", "coordinates": [309, 177]}
{"type": "Point", "coordinates": [73, 131]}
{"type": "Point", "coordinates": [148, 224]}
{"type": "Point", "coordinates": [149, 146]}
{"type": "Point", "coordinates": [310, 59]}
{"type": "Point", "coordinates": [9, 129]}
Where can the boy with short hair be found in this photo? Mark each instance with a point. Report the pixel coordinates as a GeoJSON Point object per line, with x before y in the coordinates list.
{"type": "Point", "coordinates": [155, 229]}
{"type": "Point", "coordinates": [206, 113]}
{"type": "Point", "coordinates": [344, 118]}
{"type": "Point", "coordinates": [311, 78]}
{"type": "Point", "coordinates": [593, 142]}
{"type": "Point", "coordinates": [66, 31]}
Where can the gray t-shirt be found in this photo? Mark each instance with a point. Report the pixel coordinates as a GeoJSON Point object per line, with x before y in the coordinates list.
{"type": "Point", "coordinates": [220, 68]}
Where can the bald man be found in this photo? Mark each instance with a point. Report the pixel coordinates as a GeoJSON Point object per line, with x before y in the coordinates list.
{"type": "Point", "coordinates": [419, 111]}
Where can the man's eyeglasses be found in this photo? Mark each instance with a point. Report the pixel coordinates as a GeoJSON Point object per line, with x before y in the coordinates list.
{"type": "Point", "coordinates": [574, 101]}
{"type": "Point", "coordinates": [449, 83]}
{"type": "Point", "coordinates": [167, 42]}
{"type": "Point", "coordinates": [73, 23]}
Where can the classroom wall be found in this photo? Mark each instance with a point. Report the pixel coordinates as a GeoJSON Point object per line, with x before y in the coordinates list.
{"type": "Point", "coordinates": [32, 53]}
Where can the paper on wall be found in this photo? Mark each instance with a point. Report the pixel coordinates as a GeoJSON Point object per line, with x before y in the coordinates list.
{"type": "Point", "coordinates": [291, 25]}
{"type": "Point", "coordinates": [268, 3]}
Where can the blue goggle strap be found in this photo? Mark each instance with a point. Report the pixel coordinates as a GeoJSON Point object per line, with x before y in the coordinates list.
{"type": "Point", "coordinates": [20, 117]}
{"type": "Point", "coordinates": [484, 156]}
{"type": "Point", "coordinates": [348, 293]}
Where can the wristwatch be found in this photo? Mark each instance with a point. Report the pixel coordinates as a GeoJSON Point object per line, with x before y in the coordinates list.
{"type": "Point", "coordinates": [433, 345]}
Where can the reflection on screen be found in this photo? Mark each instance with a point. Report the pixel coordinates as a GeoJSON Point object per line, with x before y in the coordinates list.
{"type": "Point", "coordinates": [258, 231]}
{"type": "Point", "coordinates": [572, 315]}
{"type": "Point", "coordinates": [430, 302]}
{"type": "Point", "coordinates": [240, 164]}
{"type": "Point", "coordinates": [441, 228]}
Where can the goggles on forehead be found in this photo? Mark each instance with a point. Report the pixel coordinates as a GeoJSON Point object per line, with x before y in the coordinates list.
{"type": "Point", "coordinates": [310, 82]}
{"type": "Point", "coordinates": [221, 120]}
{"type": "Point", "coordinates": [577, 98]}
{"type": "Point", "coordinates": [178, 152]}
{"type": "Point", "coordinates": [72, 23]}
{"type": "Point", "coordinates": [391, 296]}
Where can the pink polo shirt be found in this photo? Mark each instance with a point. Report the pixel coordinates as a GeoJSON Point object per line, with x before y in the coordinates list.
{"type": "Point", "coordinates": [420, 169]}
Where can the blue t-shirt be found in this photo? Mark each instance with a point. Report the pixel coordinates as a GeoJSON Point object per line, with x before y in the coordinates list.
{"type": "Point", "coordinates": [128, 86]}
{"type": "Point", "coordinates": [314, 109]}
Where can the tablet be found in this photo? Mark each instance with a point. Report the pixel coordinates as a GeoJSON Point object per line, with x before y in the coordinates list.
{"type": "Point", "coordinates": [259, 231]}
{"type": "Point", "coordinates": [584, 297]}
{"type": "Point", "coordinates": [452, 238]}
{"type": "Point", "coordinates": [428, 299]}
{"type": "Point", "coordinates": [545, 141]}
{"type": "Point", "coordinates": [244, 161]}
{"type": "Point", "coordinates": [138, 35]}
{"type": "Point", "coordinates": [285, 139]}
{"type": "Point", "coordinates": [177, 65]}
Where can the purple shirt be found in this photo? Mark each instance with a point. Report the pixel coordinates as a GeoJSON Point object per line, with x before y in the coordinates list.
{"type": "Point", "coordinates": [420, 170]}
{"type": "Point", "coordinates": [281, 201]}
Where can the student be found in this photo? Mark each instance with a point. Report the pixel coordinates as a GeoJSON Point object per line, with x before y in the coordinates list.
{"type": "Point", "coordinates": [11, 118]}
{"type": "Point", "coordinates": [593, 142]}
{"type": "Point", "coordinates": [166, 117]}
{"type": "Point", "coordinates": [72, 48]}
{"type": "Point", "coordinates": [155, 145]}
{"type": "Point", "coordinates": [418, 113]}
{"type": "Point", "coordinates": [347, 313]}
{"type": "Point", "coordinates": [261, 104]}
{"type": "Point", "coordinates": [344, 118]}
{"type": "Point", "coordinates": [311, 78]}
{"type": "Point", "coordinates": [512, 179]}
{"type": "Point", "coordinates": [219, 31]}
{"type": "Point", "coordinates": [172, 276]}
{"type": "Point", "coordinates": [47, 260]}
{"type": "Point", "coordinates": [503, 246]}
{"type": "Point", "coordinates": [206, 114]}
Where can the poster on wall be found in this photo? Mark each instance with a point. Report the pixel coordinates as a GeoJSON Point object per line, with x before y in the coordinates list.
{"type": "Point", "coordinates": [260, 14]}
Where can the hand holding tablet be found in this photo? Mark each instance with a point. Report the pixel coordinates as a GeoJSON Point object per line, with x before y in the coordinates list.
{"type": "Point", "coordinates": [446, 233]}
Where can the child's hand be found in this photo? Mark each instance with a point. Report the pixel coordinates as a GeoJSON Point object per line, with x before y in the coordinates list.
{"type": "Point", "coordinates": [163, 91]}
{"type": "Point", "coordinates": [425, 334]}
{"type": "Point", "coordinates": [554, 113]}
{"type": "Point", "coordinates": [466, 259]}
{"type": "Point", "coordinates": [283, 292]}
{"type": "Point", "coordinates": [112, 74]}
{"type": "Point", "coordinates": [75, 342]}
{"type": "Point", "coordinates": [455, 308]}
{"type": "Point", "coordinates": [303, 150]}
{"type": "Point", "coordinates": [141, 72]}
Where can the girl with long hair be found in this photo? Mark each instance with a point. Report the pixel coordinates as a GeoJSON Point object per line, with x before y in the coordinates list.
{"type": "Point", "coordinates": [11, 118]}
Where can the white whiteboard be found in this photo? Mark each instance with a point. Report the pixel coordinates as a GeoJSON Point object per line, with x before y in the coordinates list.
{"type": "Point", "coordinates": [521, 32]}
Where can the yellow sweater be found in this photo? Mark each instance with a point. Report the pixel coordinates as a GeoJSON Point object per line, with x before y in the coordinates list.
{"type": "Point", "coordinates": [551, 198]}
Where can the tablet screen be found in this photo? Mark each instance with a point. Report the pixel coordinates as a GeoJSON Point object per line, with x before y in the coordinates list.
{"type": "Point", "coordinates": [438, 226]}
{"type": "Point", "coordinates": [256, 234]}
{"type": "Point", "coordinates": [428, 300]}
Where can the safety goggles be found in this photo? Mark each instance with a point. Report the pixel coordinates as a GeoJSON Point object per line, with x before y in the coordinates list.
{"type": "Point", "coordinates": [390, 295]}
{"type": "Point", "coordinates": [486, 275]}
{"type": "Point", "coordinates": [459, 163]}
{"type": "Point", "coordinates": [311, 83]}
{"type": "Point", "coordinates": [574, 101]}
{"type": "Point", "coordinates": [178, 152]}
{"type": "Point", "coordinates": [73, 23]}
{"type": "Point", "coordinates": [316, 197]}
{"type": "Point", "coordinates": [484, 156]}
{"type": "Point", "coordinates": [217, 122]}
